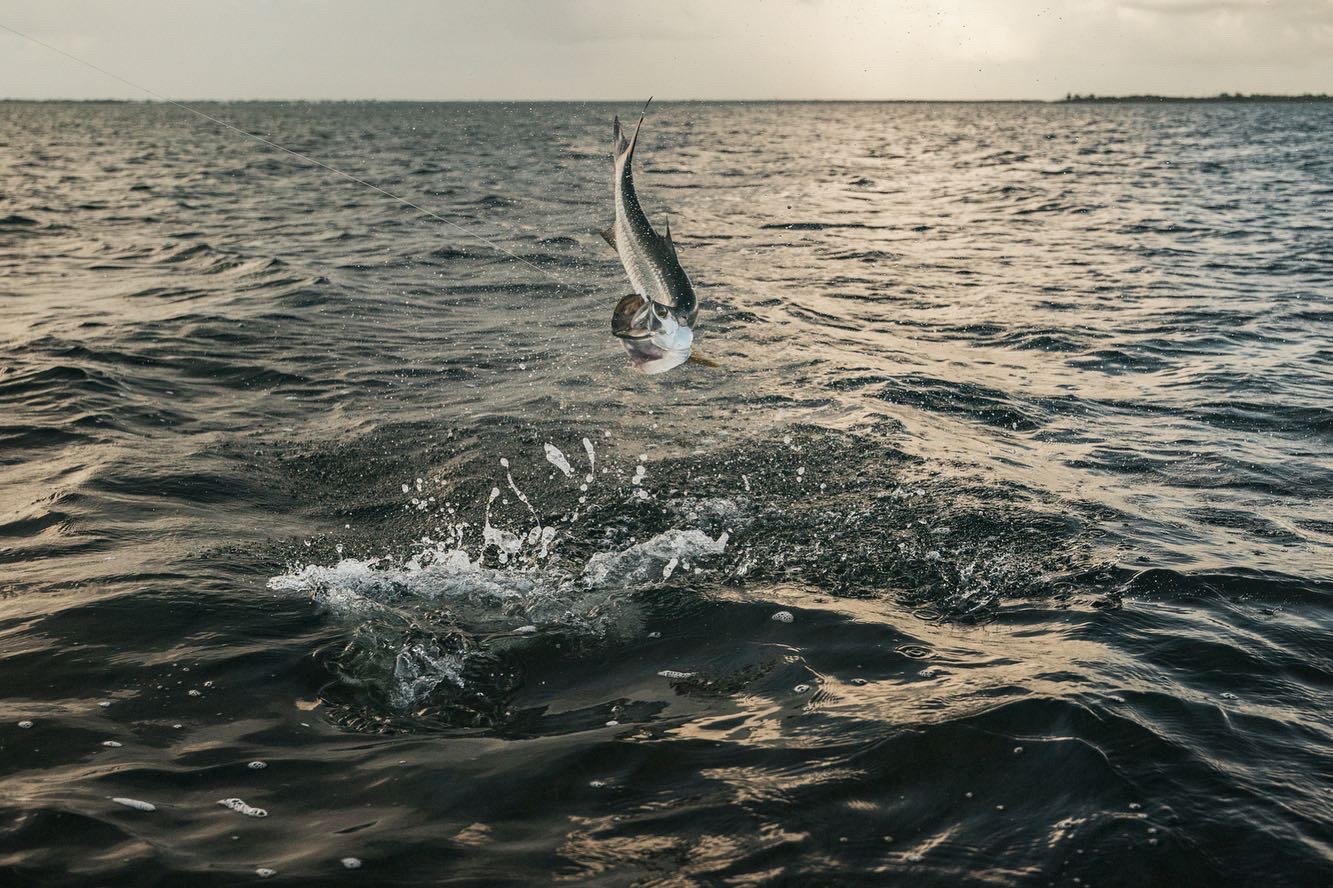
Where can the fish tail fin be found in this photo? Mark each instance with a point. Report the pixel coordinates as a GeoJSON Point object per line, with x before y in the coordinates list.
{"type": "Point", "coordinates": [624, 146]}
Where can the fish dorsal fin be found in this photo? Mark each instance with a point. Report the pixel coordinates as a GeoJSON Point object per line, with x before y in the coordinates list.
{"type": "Point", "coordinates": [666, 238]}
{"type": "Point", "coordinates": [609, 235]}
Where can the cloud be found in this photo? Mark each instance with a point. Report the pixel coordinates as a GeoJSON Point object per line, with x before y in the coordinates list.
{"type": "Point", "coordinates": [1206, 7]}
{"type": "Point", "coordinates": [525, 49]}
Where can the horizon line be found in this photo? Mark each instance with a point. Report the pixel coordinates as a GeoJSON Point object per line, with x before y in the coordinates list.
{"type": "Point", "coordinates": [1068, 98]}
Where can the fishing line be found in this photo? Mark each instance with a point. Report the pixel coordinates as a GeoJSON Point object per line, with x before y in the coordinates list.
{"type": "Point", "coordinates": [319, 163]}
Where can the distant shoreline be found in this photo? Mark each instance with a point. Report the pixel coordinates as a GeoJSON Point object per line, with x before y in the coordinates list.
{"type": "Point", "coordinates": [1075, 98]}
{"type": "Point", "coordinates": [1069, 99]}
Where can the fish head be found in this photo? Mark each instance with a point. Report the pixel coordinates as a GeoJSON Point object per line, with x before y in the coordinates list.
{"type": "Point", "coordinates": [655, 336]}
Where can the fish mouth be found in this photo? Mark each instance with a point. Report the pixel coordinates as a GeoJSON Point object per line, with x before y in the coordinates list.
{"type": "Point", "coordinates": [655, 339]}
{"type": "Point", "coordinates": [650, 357]}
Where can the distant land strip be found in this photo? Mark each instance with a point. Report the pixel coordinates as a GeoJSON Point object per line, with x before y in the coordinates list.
{"type": "Point", "coordinates": [1070, 98]}
{"type": "Point", "coordinates": [1221, 97]}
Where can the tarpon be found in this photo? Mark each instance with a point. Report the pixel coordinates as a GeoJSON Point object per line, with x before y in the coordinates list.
{"type": "Point", "coordinates": [656, 321]}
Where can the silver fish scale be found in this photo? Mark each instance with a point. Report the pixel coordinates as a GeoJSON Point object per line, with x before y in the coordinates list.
{"type": "Point", "coordinates": [645, 275]}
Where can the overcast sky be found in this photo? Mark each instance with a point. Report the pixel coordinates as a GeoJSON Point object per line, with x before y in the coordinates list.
{"type": "Point", "coordinates": [626, 49]}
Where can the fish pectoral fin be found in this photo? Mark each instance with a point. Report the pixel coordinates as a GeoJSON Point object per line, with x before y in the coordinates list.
{"type": "Point", "coordinates": [609, 235]}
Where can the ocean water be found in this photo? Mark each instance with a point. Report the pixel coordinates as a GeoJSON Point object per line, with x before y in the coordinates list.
{"type": "Point", "coordinates": [997, 551]}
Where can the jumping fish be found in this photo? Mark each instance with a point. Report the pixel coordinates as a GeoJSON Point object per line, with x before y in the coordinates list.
{"type": "Point", "coordinates": [656, 321]}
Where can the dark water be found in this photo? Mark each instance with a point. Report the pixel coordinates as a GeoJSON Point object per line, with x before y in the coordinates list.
{"type": "Point", "coordinates": [1025, 419]}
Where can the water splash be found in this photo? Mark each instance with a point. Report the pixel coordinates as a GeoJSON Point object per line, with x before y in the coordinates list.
{"type": "Point", "coordinates": [416, 624]}
{"type": "Point", "coordinates": [556, 458]}
{"type": "Point", "coordinates": [592, 460]}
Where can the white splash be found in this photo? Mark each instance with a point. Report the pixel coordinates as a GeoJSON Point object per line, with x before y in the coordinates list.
{"type": "Point", "coordinates": [557, 459]}
{"type": "Point", "coordinates": [592, 460]}
{"type": "Point", "coordinates": [415, 623]}
{"type": "Point", "coordinates": [645, 562]}
{"type": "Point", "coordinates": [509, 476]}
{"type": "Point", "coordinates": [507, 543]}
{"type": "Point", "coordinates": [240, 807]}
{"type": "Point", "coordinates": [136, 804]}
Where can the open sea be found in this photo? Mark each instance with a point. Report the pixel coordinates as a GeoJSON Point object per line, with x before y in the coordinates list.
{"type": "Point", "coordinates": [339, 547]}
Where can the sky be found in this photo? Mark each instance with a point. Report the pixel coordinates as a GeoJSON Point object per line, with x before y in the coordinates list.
{"type": "Point", "coordinates": [673, 49]}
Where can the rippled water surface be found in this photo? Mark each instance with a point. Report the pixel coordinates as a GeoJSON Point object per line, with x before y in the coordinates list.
{"type": "Point", "coordinates": [999, 548]}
